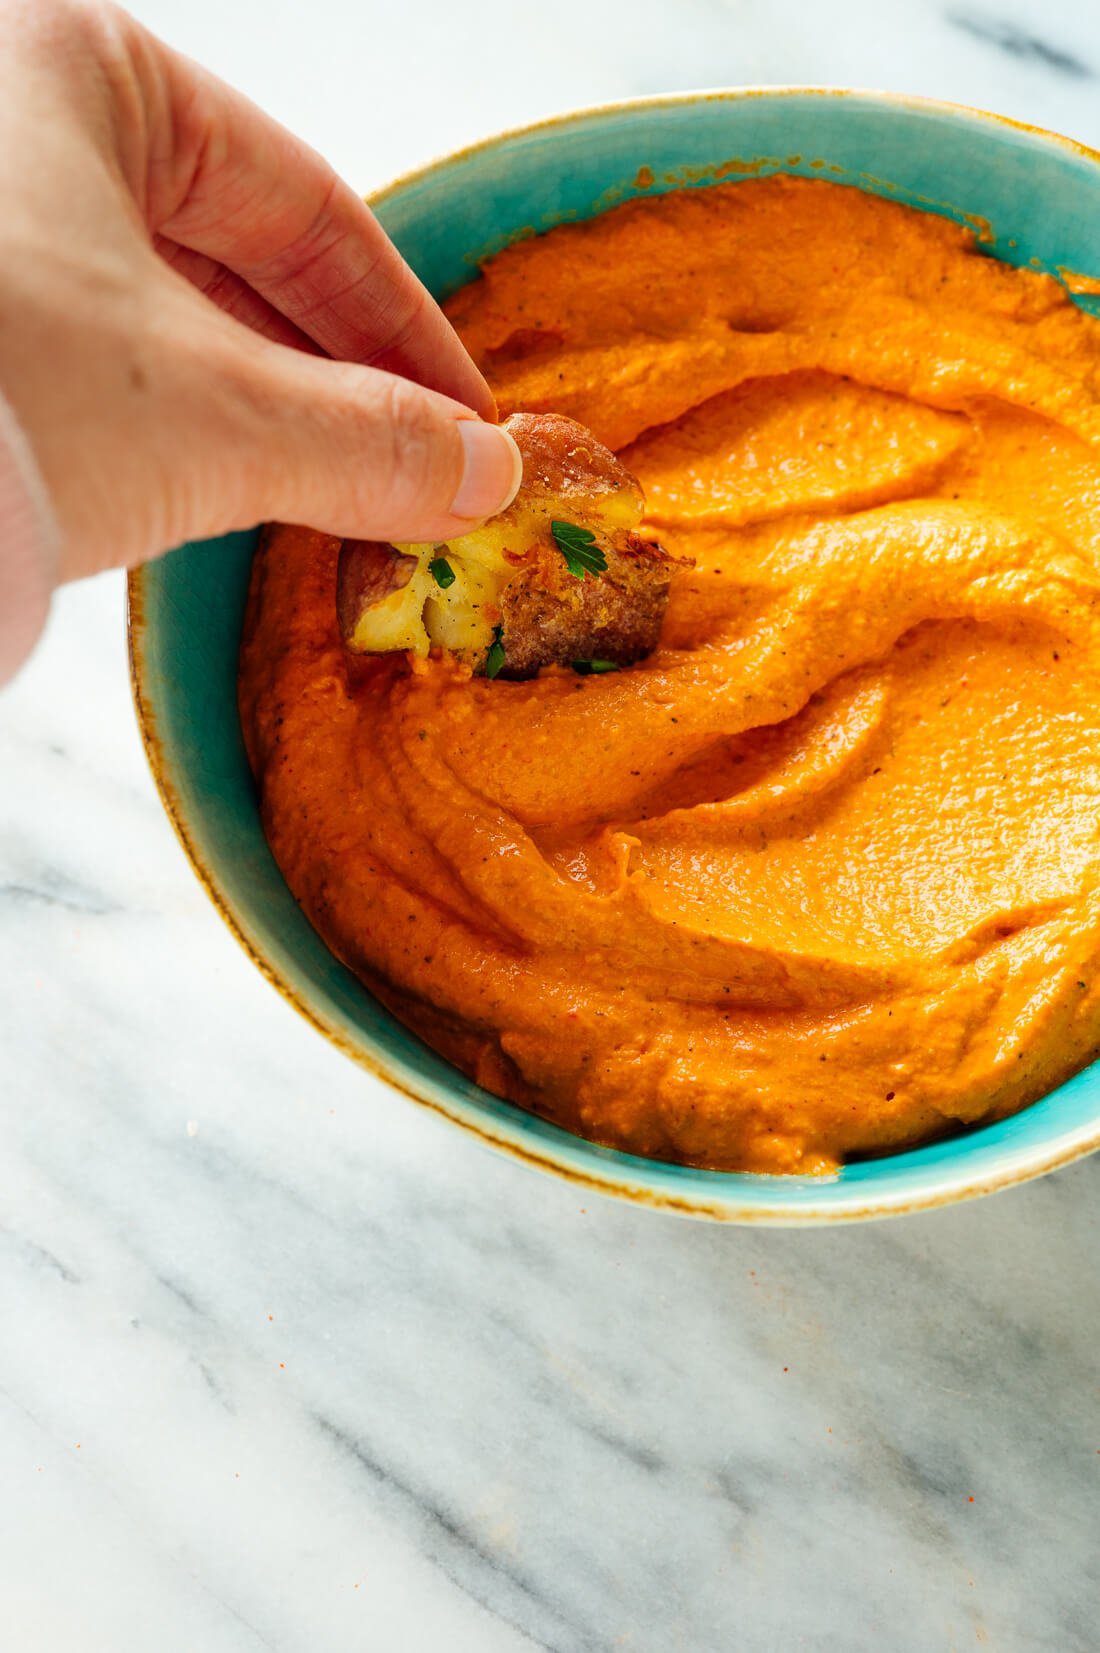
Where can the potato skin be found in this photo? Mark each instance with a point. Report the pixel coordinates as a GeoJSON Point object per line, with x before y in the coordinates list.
{"type": "Point", "coordinates": [563, 462]}
{"type": "Point", "coordinates": [368, 571]}
{"type": "Point", "coordinates": [550, 617]}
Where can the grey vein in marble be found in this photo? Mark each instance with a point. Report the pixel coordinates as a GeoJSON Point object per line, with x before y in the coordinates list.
{"type": "Point", "coordinates": [1007, 37]}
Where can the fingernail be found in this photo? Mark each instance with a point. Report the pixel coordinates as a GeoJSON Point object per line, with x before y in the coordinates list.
{"type": "Point", "coordinates": [492, 472]}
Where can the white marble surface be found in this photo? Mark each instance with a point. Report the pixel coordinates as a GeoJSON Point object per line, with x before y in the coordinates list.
{"type": "Point", "coordinates": [286, 1365]}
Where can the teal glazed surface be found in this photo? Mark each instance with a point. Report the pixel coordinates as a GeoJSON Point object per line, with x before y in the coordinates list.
{"type": "Point", "coordinates": [1040, 197]}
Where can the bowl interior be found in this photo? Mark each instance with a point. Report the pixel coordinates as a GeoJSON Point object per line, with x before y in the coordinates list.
{"type": "Point", "coordinates": [1035, 201]}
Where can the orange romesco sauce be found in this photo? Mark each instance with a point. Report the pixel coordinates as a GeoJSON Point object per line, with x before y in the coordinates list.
{"type": "Point", "coordinates": [819, 878]}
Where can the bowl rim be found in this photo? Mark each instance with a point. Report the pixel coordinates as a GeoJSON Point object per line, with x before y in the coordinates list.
{"type": "Point", "coordinates": [722, 94]}
{"type": "Point", "coordinates": [861, 1206]}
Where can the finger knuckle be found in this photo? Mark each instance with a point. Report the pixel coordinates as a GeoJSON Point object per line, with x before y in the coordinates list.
{"type": "Point", "coordinates": [413, 463]}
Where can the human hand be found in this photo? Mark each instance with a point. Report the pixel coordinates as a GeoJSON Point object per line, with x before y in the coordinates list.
{"type": "Point", "coordinates": [177, 271]}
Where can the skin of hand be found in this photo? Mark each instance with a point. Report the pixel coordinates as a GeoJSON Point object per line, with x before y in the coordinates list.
{"type": "Point", "coordinates": [201, 326]}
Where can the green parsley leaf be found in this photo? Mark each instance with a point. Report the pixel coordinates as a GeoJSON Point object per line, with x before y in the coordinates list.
{"type": "Point", "coordinates": [441, 572]}
{"type": "Point", "coordinates": [494, 660]}
{"type": "Point", "coordinates": [578, 547]}
{"type": "Point", "coordinates": [589, 668]}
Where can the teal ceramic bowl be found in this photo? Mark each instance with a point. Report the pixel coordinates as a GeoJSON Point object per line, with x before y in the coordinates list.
{"type": "Point", "coordinates": [1036, 198]}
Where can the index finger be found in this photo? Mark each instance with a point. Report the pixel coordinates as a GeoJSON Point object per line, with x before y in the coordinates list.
{"type": "Point", "coordinates": [226, 180]}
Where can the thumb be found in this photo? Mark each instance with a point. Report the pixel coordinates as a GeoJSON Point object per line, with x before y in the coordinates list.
{"type": "Point", "coordinates": [362, 453]}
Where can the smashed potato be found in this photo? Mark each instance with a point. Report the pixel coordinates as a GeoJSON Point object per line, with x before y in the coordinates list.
{"type": "Point", "coordinates": [562, 575]}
